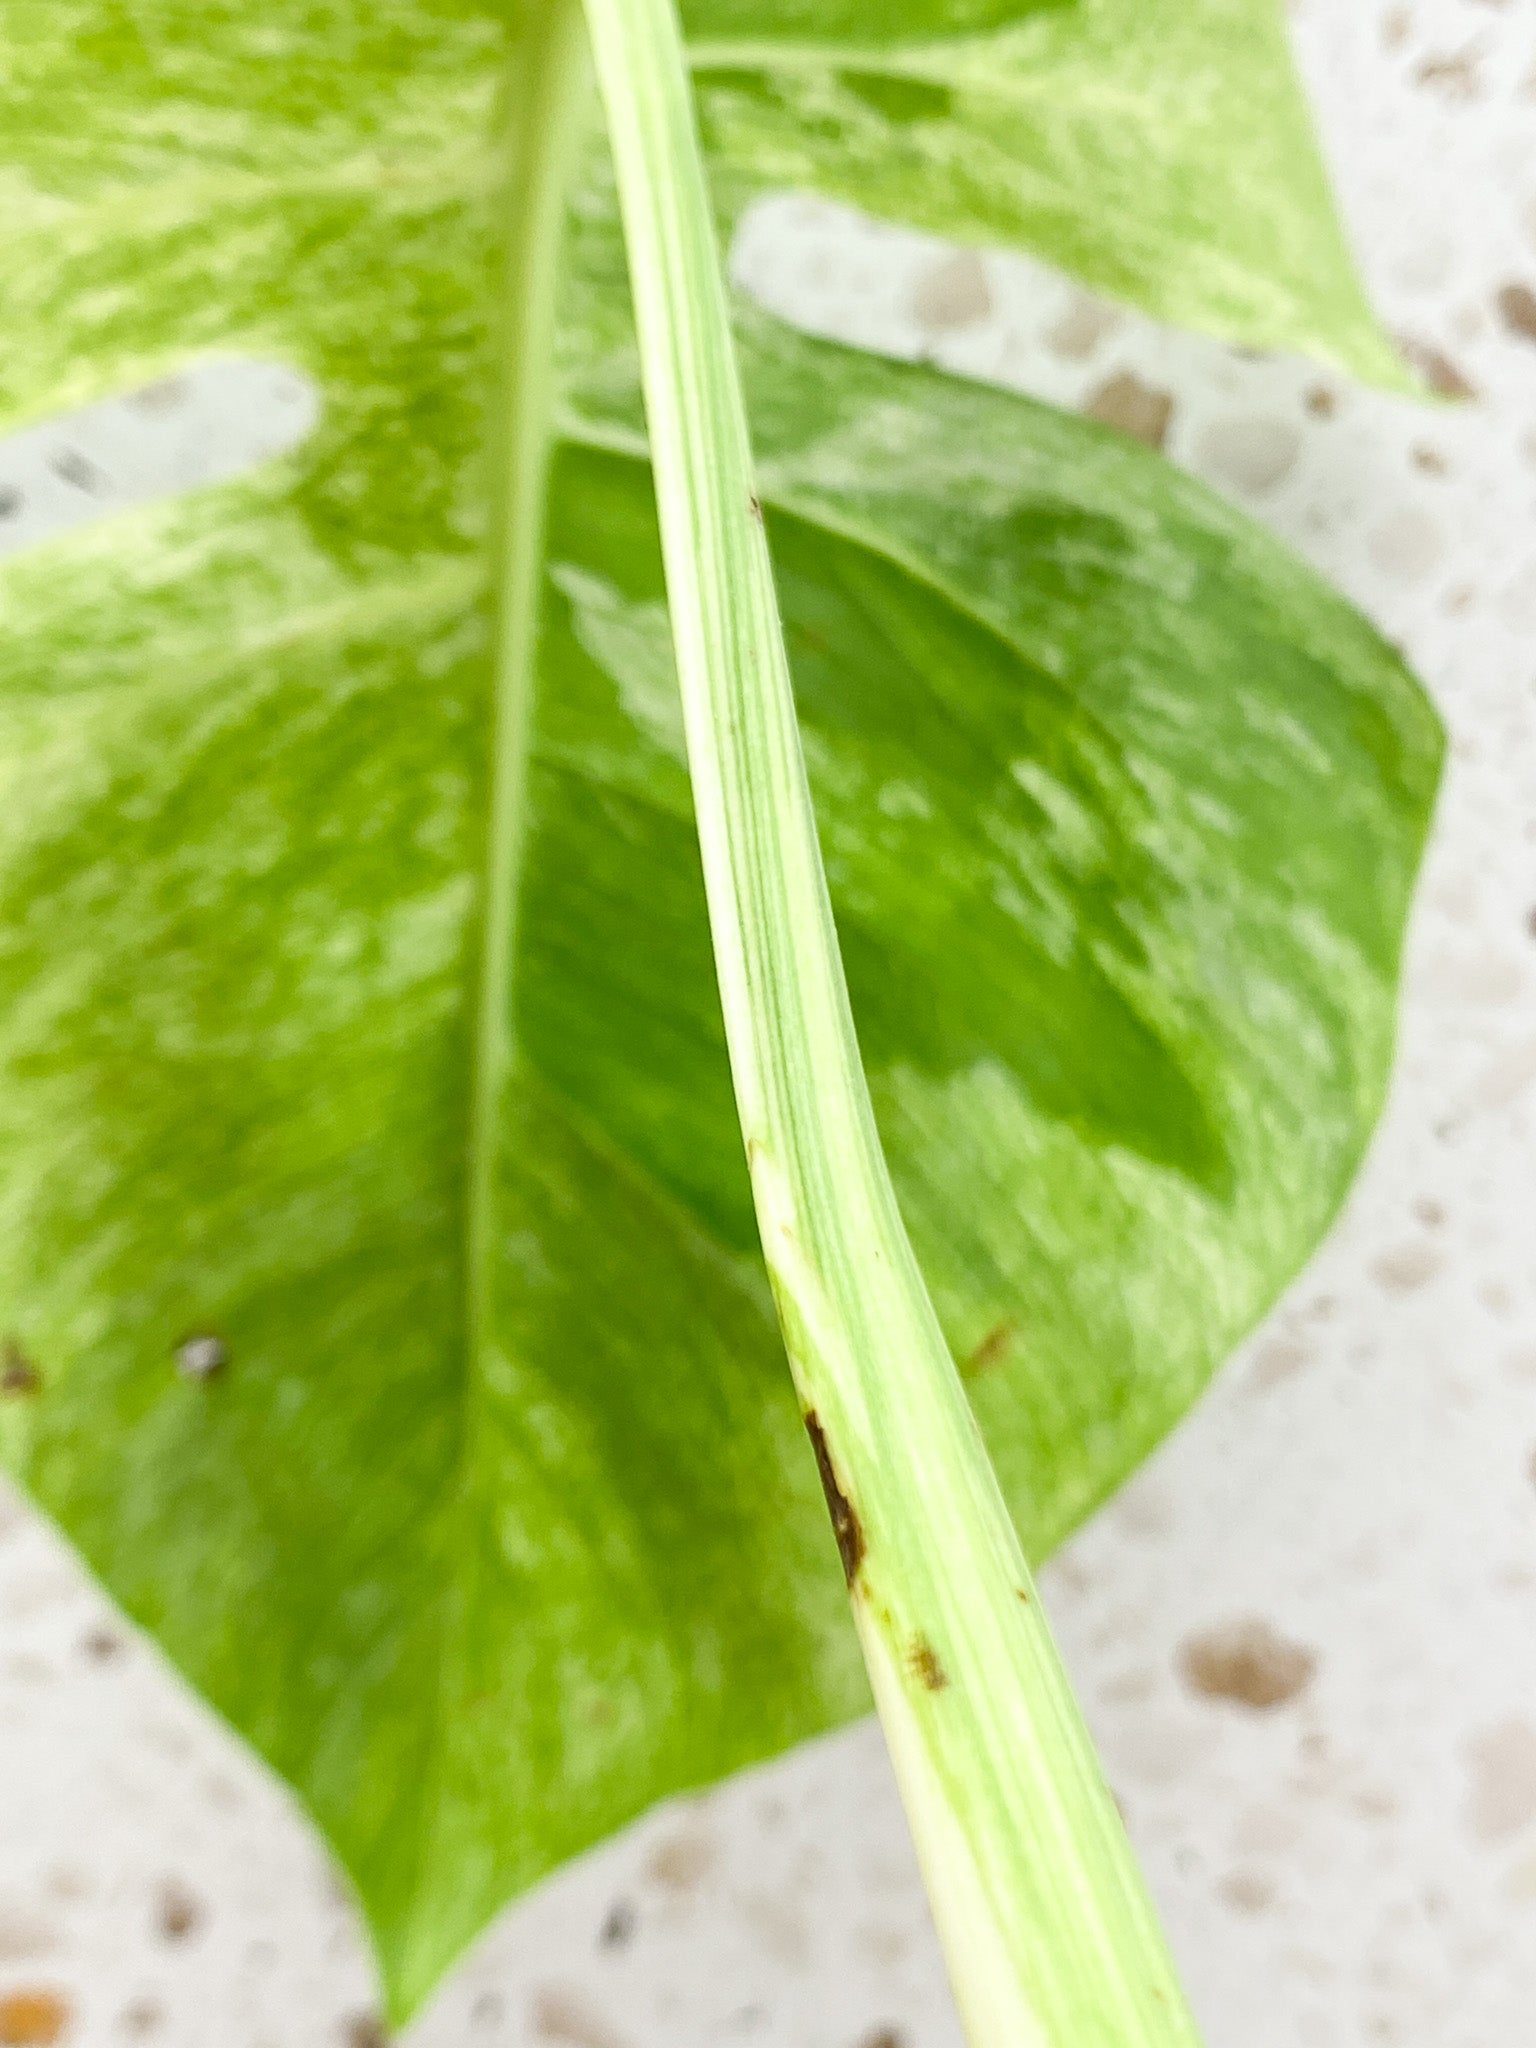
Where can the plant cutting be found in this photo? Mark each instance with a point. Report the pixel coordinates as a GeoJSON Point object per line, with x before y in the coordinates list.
{"type": "Point", "coordinates": [413, 841]}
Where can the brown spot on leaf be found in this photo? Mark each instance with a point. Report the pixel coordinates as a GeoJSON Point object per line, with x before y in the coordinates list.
{"type": "Point", "coordinates": [993, 1348]}
{"type": "Point", "coordinates": [1321, 402]}
{"type": "Point", "coordinates": [923, 1662]}
{"type": "Point", "coordinates": [845, 1522]}
{"type": "Point", "coordinates": [1517, 309]}
{"type": "Point", "coordinates": [32, 2019]}
{"type": "Point", "coordinates": [883, 2037]}
{"type": "Point", "coordinates": [1248, 1663]}
{"type": "Point", "coordinates": [19, 1377]}
{"type": "Point", "coordinates": [366, 2030]}
{"type": "Point", "coordinates": [1435, 367]}
{"type": "Point", "coordinates": [1137, 409]}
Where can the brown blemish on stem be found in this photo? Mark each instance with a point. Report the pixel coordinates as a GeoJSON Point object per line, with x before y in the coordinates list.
{"type": "Point", "coordinates": [923, 1661]}
{"type": "Point", "coordinates": [845, 1522]}
{"type": "Point", "coordinates": [993, 1348]}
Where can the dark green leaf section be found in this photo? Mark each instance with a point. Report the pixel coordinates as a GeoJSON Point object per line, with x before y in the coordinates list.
{"type": "Point", "coordinates": [864, 24]}
{"type": "Point", "coordinates": [1089, 704]}
{"type": "Point", "coordinates": [1121, 809]}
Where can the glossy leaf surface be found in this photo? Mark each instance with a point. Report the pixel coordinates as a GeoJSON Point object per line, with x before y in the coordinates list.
{"type": "Point", "coordinates": [1121, 809]}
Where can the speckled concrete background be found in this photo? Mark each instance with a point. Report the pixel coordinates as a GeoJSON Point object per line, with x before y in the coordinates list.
{"type": "Point", "coordinates": [1307, 1634]}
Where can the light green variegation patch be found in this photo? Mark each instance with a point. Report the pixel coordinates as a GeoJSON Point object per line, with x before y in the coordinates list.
{"type": "Point", "coordinates": [1120, 809]}
{"type": "Point", "coordinates": [1159, 149]}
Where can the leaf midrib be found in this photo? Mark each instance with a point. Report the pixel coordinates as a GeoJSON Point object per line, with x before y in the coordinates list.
{"type": "Point", "coordinates": [550, 78]}
{"type": "Point", "coordinates": [546, 87]}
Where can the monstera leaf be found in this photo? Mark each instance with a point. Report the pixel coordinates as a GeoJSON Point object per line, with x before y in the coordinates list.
{"type": "Point", "coordinates": [1121, 809]}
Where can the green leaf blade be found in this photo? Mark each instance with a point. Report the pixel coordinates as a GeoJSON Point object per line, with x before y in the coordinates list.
{"type": "Point", "coordinates": [241, 737]}
{"type": "Point", "coordinates": [1024, 1224]}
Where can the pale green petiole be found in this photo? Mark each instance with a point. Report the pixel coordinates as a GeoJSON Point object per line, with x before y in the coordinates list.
{"type": "Point", "coordinates": [1048, 1931]}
